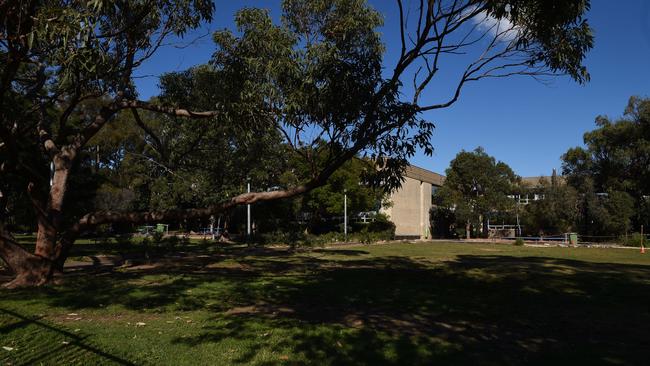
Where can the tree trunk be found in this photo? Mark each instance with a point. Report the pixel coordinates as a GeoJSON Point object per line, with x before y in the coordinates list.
{"type": "Point", "coordinates": [30, 269]}
{"type": "Point", "coordinates": [46, 264]}
{"type": "Point", "coordinates": [467, 229]}
{"type": "Point", "coordinates": [45, 239]}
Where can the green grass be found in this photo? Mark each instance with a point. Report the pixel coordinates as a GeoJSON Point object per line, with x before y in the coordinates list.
{"type": "Point", "coordinates": [396, 304]}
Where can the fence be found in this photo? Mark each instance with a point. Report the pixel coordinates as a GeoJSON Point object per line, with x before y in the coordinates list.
{"type": "Point", "coordinates": [553, 238]}
{"type": "Point", "coordinates": [625, 240]}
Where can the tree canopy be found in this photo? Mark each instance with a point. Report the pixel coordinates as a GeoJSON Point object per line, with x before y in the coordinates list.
{"type": "Point", "coordinates": [476, 187]}
{"type": "Point", "coordinates": [613, 171]}
{"type": "Point", "coordinates": [66, 73]}
{"type": "Point", "coordinates": [556, 213]}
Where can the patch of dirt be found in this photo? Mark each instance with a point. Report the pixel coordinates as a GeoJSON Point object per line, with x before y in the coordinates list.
{"type": "Point", "coordinates": [144, 267]}
{"type": "Point", "coordinates": [260, 309]}
{"type": "Point", "coordinates": [227, 265]}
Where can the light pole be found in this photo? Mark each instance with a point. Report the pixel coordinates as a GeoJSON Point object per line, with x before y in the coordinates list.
{"type": "Point", "coordinates": [248, 212]}
{"type": "Point", "coordinates": [51, 173]}
{"type": "Point", "coordinates": [345, 214]}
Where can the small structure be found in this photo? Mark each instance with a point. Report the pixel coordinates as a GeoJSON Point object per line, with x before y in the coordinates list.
{"type": "Point", "coordinates": [162, 229]}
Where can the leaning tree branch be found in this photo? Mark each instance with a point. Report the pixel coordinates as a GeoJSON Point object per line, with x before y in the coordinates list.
{"type": "Point", "coordinates": [171, 111]}
{"type": "Point", "coordinates": [106, 217]}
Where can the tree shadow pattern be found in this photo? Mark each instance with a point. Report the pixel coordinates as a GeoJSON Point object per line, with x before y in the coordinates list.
{"type": "Point", "coordinates": [45, 343]}
{"type": "Point", "coordinates": [476, 309]}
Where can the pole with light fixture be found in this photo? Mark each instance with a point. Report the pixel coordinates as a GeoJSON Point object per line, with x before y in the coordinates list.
{"type": "Point", "coordinates": [345, 214]}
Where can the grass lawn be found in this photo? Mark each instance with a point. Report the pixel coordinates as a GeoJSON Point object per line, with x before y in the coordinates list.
{"type": "Point", "coordinates": [399, 304]}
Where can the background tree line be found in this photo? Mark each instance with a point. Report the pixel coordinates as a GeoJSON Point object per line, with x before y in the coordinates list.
{"type": "Point", "coordinates": [603, 193]}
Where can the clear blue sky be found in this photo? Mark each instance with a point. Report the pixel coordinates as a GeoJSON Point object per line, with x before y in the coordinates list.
{"type": "Point", "coordinates": [522, 122]}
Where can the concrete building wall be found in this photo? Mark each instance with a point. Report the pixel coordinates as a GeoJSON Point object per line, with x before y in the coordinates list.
{"type": "Point", "coordinates": [410, 209]}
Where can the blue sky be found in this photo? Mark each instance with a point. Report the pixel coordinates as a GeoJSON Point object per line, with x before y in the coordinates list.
{"type": "Point", "coordinates": [522, 122]}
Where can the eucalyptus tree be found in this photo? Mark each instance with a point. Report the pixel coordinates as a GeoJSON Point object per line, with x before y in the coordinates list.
{"type": "Point", "coordinates": [317, 75]}
{"type": "Point", "coordinates": [476, 186]}
{"type": "Point", "coordinates": [615, 165]}
{"type": "Point", "coordinates": [172, 162]}
{"type": "Point", "coordinates": [55, 58]}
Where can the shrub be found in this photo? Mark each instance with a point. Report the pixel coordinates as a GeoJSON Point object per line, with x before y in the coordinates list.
{"type": "Point", "coordinates": [519, 242]}
{"type": "Point", "coordinates": [366, 237]}
{"type": "Point", "coordinates": [382, 224]}
{"type": "Point", "coordinates": [278, 237]}
{"type": "Point", "coordinates": [633, 240]}
{"type": "Point", "coordinates": [380, 229]}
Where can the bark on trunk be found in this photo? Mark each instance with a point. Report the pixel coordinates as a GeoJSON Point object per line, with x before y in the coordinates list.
{"type": "Point", "coordinates": [29, 269]}
{"type": "Point", "coordinates": [45, 239]}
{"type": "Point", "coordinates": [467, 230]}
{"type": "Point", "coordinates": [34, 271]}
{"type": "Point", "coordinates": [46, 264]}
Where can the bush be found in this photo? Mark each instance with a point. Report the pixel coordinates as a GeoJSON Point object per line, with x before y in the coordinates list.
{"type": "Point", "coordinates": [297, 238]}
{"type": "Point", "coordinates": [369, 237]}
{"type": "Point", "coordinates": [331, 237]}
{"type": "Point", "coordinates": [366, 237]}
{"type": "Point", "coordinates": [380, 229]}
{"type": "Point", "coordinates": [519, 242]}
{"type": "Point", "coordinates": [633, 240]}
{"type": "Point", "coordinates": [382, 224]}
{"type": "Point", "coordinates": [278, 237]}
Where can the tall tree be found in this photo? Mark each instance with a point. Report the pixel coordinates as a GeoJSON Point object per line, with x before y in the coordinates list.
{"type": "Point", "coordinates": [614, 163]}
{"type": "Point", "coordinates": [556, 212]}
{"type": "Point", "coordinates": [315, 76]}
{"type": "Point", "coordinates": [476, 187]}
{"type": "Point", "coordinates": [327, 201]}
{"type": "Point", "coordinates": [56, 58]}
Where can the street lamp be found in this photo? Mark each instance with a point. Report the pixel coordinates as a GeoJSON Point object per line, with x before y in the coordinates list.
{"type": "Point", "coordinates": [248, 211]}
{"type": "Point", "coordinates": [345, 214]}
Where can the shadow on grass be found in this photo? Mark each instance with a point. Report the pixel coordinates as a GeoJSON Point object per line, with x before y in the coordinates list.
{"type": "Point", "coordinates": [44, 343]}
{"type": "Point", "coordinates": [476, 309]}
{"type": "Point", "coordinates": [347, 252]}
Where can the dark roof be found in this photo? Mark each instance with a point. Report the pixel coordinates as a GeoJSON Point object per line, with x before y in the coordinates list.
{"type": "Point", "coordinates": [424, 175]}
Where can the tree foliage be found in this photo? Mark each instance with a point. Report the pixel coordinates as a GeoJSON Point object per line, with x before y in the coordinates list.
{"type": "Point", "coordinates": [476, 187]}
{"type": "Point", "coordinates": [556, 213]}
{"type": "Point", "coordinates": [612, 171]}
{"type": "Point", "coordinates": [66, 73]}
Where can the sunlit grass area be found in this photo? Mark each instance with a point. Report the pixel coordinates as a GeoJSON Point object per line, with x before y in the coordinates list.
{"type": "Point", "coordinates": [399, 304]}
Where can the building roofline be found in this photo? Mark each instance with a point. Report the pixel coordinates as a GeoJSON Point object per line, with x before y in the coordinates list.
{"type": "Point", "coordinates": [424, 175]}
